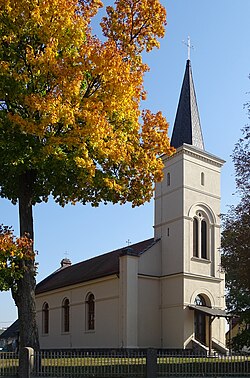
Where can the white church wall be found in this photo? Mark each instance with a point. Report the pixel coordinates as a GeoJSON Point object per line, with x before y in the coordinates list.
{"type": "Point", "coordinates": [128, 304]}
{"type": "Point", "coordinates": [188, 331]}
{"type": "Point", "coordinates": [168, 196]}
{"type": "Point", "coordinates": [218, 331]}
{"type": "Point", "coordinates": [106, 292]}
{"type": "Point", "coordinates": [172, 247]}
{"type": "Point", "coordinates": [150, 261]}
{"type": "Point", "coordinates": [149, 317]}
{"type": "Point", "coordinates": [194, 165]}
{"type": "Point", "coordinates": [172, 311]}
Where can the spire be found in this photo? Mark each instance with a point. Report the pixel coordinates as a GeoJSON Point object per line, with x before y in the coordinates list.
{"type": "Point", "coordinates": [187, 127]}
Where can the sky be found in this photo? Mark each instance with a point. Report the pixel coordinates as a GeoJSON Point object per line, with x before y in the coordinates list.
{"type": "Point", "coordinates": [220, 60]}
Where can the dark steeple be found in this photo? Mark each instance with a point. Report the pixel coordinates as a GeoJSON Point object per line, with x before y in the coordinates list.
{"type": "Point", "coordinates": [187, 127]}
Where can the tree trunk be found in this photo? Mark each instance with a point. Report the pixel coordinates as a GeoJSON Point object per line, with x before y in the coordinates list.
{"type": "Point", "coordinates": [24, 296]}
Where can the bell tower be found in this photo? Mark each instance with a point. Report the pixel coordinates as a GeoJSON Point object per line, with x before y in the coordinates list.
{"type": "Point", "coordinates": [187, 220]}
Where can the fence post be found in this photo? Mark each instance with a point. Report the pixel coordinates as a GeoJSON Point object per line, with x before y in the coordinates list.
{"type": "Point", "coordinates": [29, 357]}
{"type": "Point", "coordinates": [151, 363]}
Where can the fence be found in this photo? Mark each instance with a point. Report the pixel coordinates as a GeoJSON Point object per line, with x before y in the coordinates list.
{"type": "Point", "coordinates": [202, 366]}
{"type": "Point", "coordinates": [8, 364]}
{"type": "Point", "coordinates": [90, 363]}
{"type": "Point", "coordinates": [146, 363]}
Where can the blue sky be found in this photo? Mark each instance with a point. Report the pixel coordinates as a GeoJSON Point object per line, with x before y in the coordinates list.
{"type": "Point", "coordinates": [219, 31]}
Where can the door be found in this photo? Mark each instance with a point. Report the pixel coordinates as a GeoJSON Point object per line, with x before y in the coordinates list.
{"type": "Point", "coordinates": [200, 326]}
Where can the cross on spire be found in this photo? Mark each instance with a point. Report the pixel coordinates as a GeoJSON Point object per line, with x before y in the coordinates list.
{"type": "Point", "coordinates": [189, 46]}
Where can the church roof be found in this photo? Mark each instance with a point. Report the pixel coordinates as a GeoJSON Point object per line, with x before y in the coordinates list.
{"type": "Point", "coordinates": [187, 127]}
{"type": "Point", "coordinates": [11, 332]}
{"type": "Point", "coordinates": [96, 267]}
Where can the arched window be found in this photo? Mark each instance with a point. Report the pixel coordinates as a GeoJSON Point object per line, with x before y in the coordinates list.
{"type": "Point", "coordinates": [65, 315]}
{"type": "Point", "coordinates": [90, 312]}
{"type": "Point", "coordinates": [203, 239]}
{"type": "Point", "coordinates": [45, 318]}
{"type": "Point", "coordinates": [195, 238]}
{"type": "Point", "coordinates": [200, 236]}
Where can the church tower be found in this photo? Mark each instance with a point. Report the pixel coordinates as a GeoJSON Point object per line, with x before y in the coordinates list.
{"type": "Point", "coordinates": [187, 221]}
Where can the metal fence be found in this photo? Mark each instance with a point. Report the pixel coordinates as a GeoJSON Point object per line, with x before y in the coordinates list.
{"type": "Point", "coordinates": [125, 363]}
{"type": "Point", "coordinates": [8, 364]}
{"type": "Point", "coordinates": [202, 366]}
{"type": "Point", "coordinates": [84, 363]}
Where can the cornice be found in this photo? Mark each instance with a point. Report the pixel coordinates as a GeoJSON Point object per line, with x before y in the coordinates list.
{"type": "Point", "coordinates": [197, 153]}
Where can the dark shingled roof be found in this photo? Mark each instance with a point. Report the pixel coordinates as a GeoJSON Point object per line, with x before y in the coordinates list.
{"type": "Point", "coordinates": [97, 267]}
{"type": "Point", "coordinates": [11, 332]}
{"type": "Point", "coordinates": [187, 128]}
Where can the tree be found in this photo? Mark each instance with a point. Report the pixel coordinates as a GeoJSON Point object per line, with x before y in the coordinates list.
{"type": "Point", "coordinates": [236, 243]}
{"type": "Point", "coordinates": [14, 251]}
{"type": "Point", "coordinates": [70, 119]}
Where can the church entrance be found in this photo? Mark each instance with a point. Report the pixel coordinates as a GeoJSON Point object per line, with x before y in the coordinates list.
{"type": "Point", "coordinates": [200, 327]}
{"type": "Point", "coordinates": [200, 321]}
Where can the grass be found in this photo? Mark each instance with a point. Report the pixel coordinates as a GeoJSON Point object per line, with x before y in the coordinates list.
{"type": "Point", "coordinates": [92, 361]}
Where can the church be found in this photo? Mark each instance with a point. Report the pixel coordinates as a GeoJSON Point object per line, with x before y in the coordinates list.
{"type": "Point", "coordinates": [164, 292]}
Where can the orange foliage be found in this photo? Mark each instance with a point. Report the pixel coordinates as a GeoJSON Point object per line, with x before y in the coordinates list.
{"type": "Point", "coordinates": [13, 253]}
{"type": "Point", "coordinates": [74, 100]}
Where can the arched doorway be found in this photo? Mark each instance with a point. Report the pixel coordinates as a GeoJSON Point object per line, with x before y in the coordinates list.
{"type": "Point", "coordinates": [200, 321]}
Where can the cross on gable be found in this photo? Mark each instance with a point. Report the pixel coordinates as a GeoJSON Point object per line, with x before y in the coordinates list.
{"type": "Point", "coordinates": [128, 242]}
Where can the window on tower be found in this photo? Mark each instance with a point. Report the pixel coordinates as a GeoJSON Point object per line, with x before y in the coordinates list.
{"type": "Point", "coordinates": [200, 236]}
{"type": "Point", "coordinates": [168, 179]}
{"type": "Point", "coordinates": [195, 238]}
{"type": "Point", "coordinates": [202, 179]}
{"type": "Point", "coordinates": [203, 239]}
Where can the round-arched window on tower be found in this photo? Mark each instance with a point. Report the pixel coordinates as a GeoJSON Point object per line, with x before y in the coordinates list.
{"type": "Point", "coordinates": [203, 239]}
{"type": "Point", "coordinates": [201, 246]}
{"type": "Point", "coordinates": [195, 238]}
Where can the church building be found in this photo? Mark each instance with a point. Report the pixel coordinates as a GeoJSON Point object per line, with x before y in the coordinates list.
{"type": "Point", "coordinates": [164, 292]}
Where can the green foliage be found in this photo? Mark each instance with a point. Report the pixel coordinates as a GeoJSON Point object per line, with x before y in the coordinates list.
{"type": "Point", "coordinates": [236, 243]}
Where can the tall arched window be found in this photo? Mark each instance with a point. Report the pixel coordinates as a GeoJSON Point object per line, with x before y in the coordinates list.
{"type": "Point", "coordinates": [203, 239]}
{"type": "Point", "coordinates": [200, 236]}
{"type": "Point", "coordinates": [45, 318]}
{"type": "Point", "coordinates": [65, 315]}
{"type": "Point", "coordinates": [195, 238]}
{"type": "Point", "coordinates": [90, 312]}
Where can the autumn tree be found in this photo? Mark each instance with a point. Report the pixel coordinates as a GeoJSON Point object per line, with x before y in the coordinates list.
{"type": "Point", "coordinates": [71, 124]}
{"type": "Point", "coordinates": [236, 243]}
